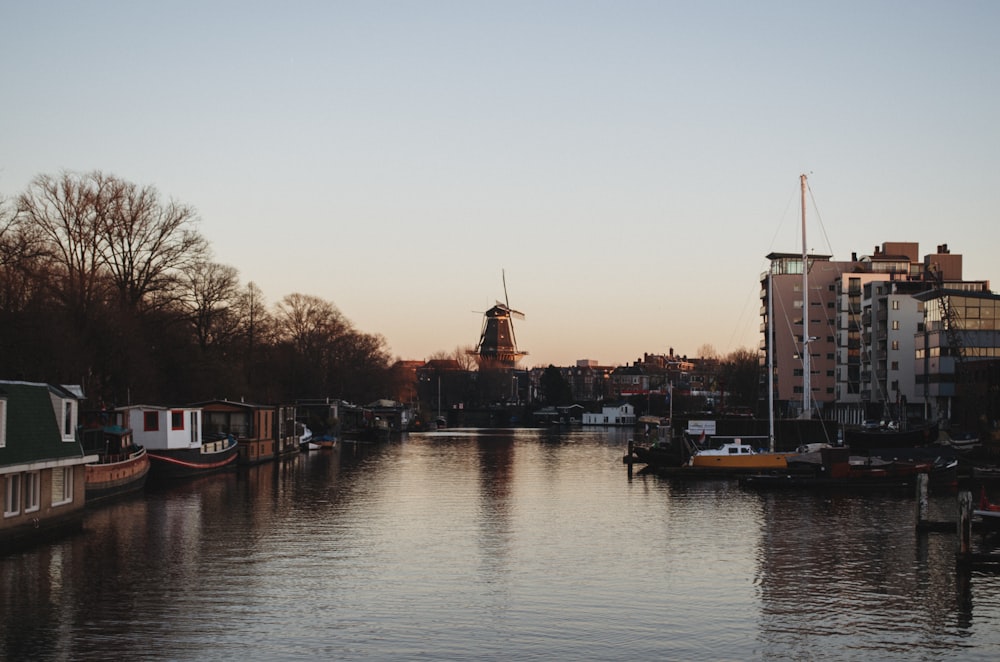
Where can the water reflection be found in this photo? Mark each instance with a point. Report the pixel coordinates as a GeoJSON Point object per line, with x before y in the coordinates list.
{"type": "Point", "coordinates": [493, 544]}
{"type": "Point", "coordinates": [857, 563]}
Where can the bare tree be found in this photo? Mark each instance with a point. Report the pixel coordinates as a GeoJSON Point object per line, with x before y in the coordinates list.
{"type": "Point", "coordinates": [465, 357]}
{"type": "Point", "coordinates": [145, 243]}
{"type": "Point", "coordinates": [67, 212]}
{"type": "Point", "coordinates": [210, 294]}
{"type": "Point", "coordinates": [102, 231]}
{"type": "Point", "coordinates": [21, 251]}
{"type": "Point", "coordinates": [310, 323]}
{"type": "Point", "coordinates": [707, 351]}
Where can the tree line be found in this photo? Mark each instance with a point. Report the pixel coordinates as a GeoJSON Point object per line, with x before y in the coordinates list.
{"type": "Point", "coordinates": [106, 284]}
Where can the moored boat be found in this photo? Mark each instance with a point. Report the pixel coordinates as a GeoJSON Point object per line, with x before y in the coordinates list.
{"type": "Point", "coordinates": [305, 440]}
{"type": "Point", "coordinates": [890, 435]}
{"type": "Point", "coordinates": [327, 441]}
{"type": "Point", "coordinates": [122, 466]}
{"type": "Point", "coordinates": [962, 441]}
{"type": "Point", "coordinates": [252, 425]}
{"type": "Point", "coordinates": [173, 441]}
{"type": "Point", "coordinates": [657, 455]}
{"type": "Point", "coordinates": [208, 457]}
{"type": "Point", "coordinates": [663, 450]}
{"type": "Point", "coordinates": [737, 456]}
{"type": "Point", "coordinates": [987, 512]}
{"type": "Point", "coordinates": [838, 472]}
{"type": "Point", "coordinates": [42, 463]}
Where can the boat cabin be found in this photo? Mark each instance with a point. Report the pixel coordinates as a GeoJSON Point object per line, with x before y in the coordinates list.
{"type": "Point", "coordinates": [733, 447]}
{"type": "Point", "coordinates": [254, 426]}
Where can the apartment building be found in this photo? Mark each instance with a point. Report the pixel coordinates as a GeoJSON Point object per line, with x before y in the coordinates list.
{"type": "Point", "coordinates": [793, 330]}
{"type": "Point", "coordinates": [871, 354]}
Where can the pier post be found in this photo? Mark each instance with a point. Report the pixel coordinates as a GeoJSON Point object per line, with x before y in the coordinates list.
{"type": "Point", "coordinates": [922, 482]}
{"type": "Point", "coordinates": [964, 552]}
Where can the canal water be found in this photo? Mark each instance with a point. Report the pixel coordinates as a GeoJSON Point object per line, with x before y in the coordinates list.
{"type": "Point", "coordinates": [494, 545]}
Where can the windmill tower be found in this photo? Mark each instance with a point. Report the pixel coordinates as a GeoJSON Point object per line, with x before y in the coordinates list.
{"type": "Point", "coordinates": [497, 344]}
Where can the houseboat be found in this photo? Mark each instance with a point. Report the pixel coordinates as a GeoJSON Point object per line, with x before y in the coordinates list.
{"type": "Point", "coordinates": [616, 415]}
{"type": "Point", "coordinates": [122, 466]}
{"type": "Point", "coordinates": [42, 464]}
{"type": "Point", "coordinates": [253, 426]}
{"type": "Point", "coordinates": [289, 433]}
{"type": "Point", "coordinates": [174, 441]}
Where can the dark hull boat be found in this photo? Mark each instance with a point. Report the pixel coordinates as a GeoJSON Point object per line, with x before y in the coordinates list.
{"type": "Point", "coordinates": [210, 457]}
{"type": "Point", "coordinates": [839, 471]}
{"type": "Point", "coordinates": [655, 456]}
{"type": "Point", "coordinates": [864, 440]}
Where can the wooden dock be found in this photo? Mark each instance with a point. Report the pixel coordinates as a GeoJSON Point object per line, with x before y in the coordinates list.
{"type": "Point", "coordinates": [967, 557]}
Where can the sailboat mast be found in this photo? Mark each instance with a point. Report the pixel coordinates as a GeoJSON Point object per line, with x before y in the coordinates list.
{"type": "Point", "coordinates": [806, 368]}
{"type": "Point", "coordinates": [770, 359]}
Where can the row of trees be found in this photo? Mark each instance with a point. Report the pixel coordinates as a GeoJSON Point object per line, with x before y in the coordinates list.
{"type": "Point", "coordinates": [106, 284]}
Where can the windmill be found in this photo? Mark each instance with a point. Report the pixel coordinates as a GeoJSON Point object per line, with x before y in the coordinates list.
{"type": "Point", "coordinates": [497, 344]}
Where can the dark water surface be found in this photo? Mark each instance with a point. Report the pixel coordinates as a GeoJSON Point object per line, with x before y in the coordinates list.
{"type": "Point", "coordinates": [499, 545]}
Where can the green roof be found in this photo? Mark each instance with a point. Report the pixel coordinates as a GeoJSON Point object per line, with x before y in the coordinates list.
{"type": "Point", "coordinates": [32, 433]}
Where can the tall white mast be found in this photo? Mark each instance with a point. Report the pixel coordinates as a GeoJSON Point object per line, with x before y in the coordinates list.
{"type": "Point", "coordinates": [806, 368]}
{"type": "Point", "coordinates": [770, 358]}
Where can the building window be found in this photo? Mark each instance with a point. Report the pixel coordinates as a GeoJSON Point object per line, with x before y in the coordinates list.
{"type": "Point", "coordinates": [3, 423]}
{"type": "Point", "coordinates": [32, 491]}
{"type": "Point", "coordinates": [62, 485]}
{"type": "Point", "coordinates": [176, 420]}
{"type": "Point", "coordinates": [150, 421]}
{"type": "Point", "coordinates": [895, 304]}
{"type": "Point", "coordinates": [12, 496]}
{"type": "Point", "coordinates": [895, 344]}
{"type": "Point", "coordinates": [894, 365]}
{"type": "Point", "coordinates": [69, 411]}
{"type": "Point", "coordinates": [895, 325]}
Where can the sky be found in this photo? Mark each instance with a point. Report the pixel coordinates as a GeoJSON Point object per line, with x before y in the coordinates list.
{"type": "Point", "coordinates": [625, 166]}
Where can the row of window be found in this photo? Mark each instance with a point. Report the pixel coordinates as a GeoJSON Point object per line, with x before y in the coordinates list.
{"type": "Point", "coordinates": [968, 352]}
{"type": "Point", "coordinates": [22, 491]}
{"type": "Point", "coordinates": [151, 421]}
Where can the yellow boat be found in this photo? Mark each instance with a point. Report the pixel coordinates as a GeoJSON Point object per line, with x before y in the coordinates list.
{"type": "Point", "coordinates": [737, 455]}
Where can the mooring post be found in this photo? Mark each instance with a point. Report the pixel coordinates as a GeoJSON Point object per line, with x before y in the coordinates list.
{"type": "Point", "coordinates": [922, 482]}
{"type": "Point", "coordinates": [629, 459]}
{"type": "Point", "coordinates": [964, 526]}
